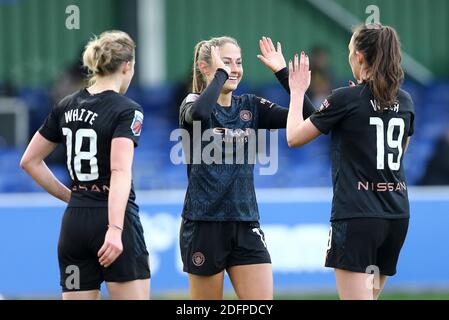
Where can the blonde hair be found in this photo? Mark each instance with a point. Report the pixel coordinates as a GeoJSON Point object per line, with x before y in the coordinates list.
{"type": "Point", "coordinates": [203, 53]}
{"type": "Point", "coordinates": [103, 55]}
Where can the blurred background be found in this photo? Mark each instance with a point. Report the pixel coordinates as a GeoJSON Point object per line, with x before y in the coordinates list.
{"type": "Point", "coordinates": [41, 44]}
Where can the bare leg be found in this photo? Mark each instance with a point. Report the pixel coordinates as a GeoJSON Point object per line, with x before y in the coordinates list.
{"type": "Point", "coordinates": [353, 285]}
{"type": "Point", "coordinates": [81, 295]}
{"type": "Point", "coordinates": [206, 287]}
{"type": "Point", "coordinates": [252, 282]}
{"type": "Point", "coordinates": [382, 280]}
{"type": "Point", "coordinates": [130, 290]}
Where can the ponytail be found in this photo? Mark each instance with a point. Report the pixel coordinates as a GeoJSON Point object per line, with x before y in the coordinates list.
{"type": "Point", "coordinates": [382, 50]}
{"type": "Point", "coordinates": [198, 81]}
{"type": "Point", "coordinates": [103, 55]}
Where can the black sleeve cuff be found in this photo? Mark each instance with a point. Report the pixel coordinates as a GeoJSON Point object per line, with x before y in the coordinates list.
{"type": "Point", "coordinates": [47, 135]}
{"type": "Point", "coordinates": [222, 74]}
{"type": "Point", "coordinates": [282, 76]}
{"type": "Point", "coordinates": [318, 126]}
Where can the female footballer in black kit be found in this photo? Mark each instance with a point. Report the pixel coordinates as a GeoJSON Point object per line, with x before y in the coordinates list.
{"type": "Point", "coordinates": [371, 125]}
{"type": "Point", "coordinates": [220, 229]}
{"type": "Point", "coordinates": [101, 235]}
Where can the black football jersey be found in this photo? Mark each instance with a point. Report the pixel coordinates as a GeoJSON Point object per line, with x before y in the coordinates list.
{"type": "Point", "coordinates": [86, 125]}
{"type": "Point", "coordinates": [222, 191]}
{"type": "Point", "coordinates": [367, 152]}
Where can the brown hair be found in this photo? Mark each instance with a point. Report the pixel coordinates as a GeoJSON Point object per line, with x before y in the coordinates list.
{"type": "Point", "coordinates": [382, 50]}
{"type": "Point", "coordinates": [103, 55]}
{"type": "Point", "coordinates": [203, 53]}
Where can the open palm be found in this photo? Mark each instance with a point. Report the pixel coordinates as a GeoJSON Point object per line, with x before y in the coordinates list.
{"type": "Point", "coordinates": [271, 57]}
{"type": "Point", "coordinates": [299, 74]}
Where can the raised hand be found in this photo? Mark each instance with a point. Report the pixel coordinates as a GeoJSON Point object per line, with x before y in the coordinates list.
{"type": "Point", "coordinates": [271, 57]}
{"type": "Point", "coordinates": [299, 74]}
{"type": "Point", "coordinates": [216, 61]}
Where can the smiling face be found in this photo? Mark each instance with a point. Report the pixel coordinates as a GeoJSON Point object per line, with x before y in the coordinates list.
{"type": "Point", "coordinates": [232, 57]}
{"type": "Point", "coordinates": [206, 62]}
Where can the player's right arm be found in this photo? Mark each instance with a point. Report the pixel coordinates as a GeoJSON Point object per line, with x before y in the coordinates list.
{"type": "Point", "coordinates": [299, 131]}
{"type": "Point", "coordinates": [199, 107]}
{"type": "Point", "coordinates": [33, 163]}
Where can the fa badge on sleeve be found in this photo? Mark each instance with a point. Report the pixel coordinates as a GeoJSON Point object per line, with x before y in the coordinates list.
{"type": "Point", "coordinates": [136, 126]}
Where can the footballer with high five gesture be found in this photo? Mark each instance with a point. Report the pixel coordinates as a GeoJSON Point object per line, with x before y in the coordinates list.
{"type": "Point", "coordinates": [220, 230]}
{"type": "Point", "coordinates": [371, 125]}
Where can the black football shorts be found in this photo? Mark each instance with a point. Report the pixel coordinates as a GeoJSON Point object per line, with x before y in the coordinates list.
{"type": "Point", "coordinates": [359, 244]}
{"type": "Point", "coordinates": [209, 247]}
{"type": "Point", "coordinates": [82, 235]}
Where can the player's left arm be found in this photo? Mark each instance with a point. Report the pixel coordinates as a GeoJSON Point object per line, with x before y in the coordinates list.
{"type": "Point", "coordinates": [33, 163]}
{"type": "Point", "coordinates": [406, 144]}
{"type": "Point", "coordinates": [412, 127]}
{"type": "Point", "coordinates": [125, 138]}
{"type": "Point", "coordinates": [122, 153]}
{"type": "Point", "coordinates": [271, 115]}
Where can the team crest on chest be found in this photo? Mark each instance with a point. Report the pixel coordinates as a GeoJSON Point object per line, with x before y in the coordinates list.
{"type": "Point", "coordinates": [136, 125]}
{"type": "Point", "coordinates": [246, 115]}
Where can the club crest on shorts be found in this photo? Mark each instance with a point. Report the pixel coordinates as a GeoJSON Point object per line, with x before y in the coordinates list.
{"type": "Point", "coordinates": [198, 259]}
{"type": "Point", "coordinates": [136, 125]}
{"type": "Point", "coordinates": [246, 115]}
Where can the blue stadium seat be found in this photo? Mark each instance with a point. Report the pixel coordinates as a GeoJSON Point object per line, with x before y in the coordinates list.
{"type": "Point", "coordinates": [309, 166]}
